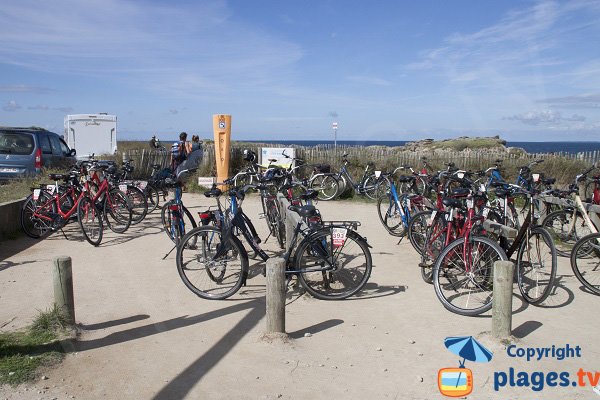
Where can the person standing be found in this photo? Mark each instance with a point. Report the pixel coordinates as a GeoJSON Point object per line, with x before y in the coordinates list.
{"type": "Point", "coordinates": [179, 151]}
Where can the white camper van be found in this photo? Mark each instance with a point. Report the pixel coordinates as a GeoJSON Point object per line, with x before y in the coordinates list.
{"type": "Point", "coordinates": [91, 134]}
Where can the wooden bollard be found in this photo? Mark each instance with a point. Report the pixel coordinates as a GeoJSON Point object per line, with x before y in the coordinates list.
{"type": "Point", "coordinates": [63, 287]}
{"type": "Point", "coordinates": [275, 295]}
{"type": "Point", "coordinates": [502, 300]}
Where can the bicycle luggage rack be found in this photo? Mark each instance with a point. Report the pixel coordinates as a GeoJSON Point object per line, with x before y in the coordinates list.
{"type": "Point", "coordinates": [347, 224]}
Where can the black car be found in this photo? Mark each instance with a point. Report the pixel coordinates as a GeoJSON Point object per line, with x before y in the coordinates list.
{"type": "Point", "coordinates": [25, 151]}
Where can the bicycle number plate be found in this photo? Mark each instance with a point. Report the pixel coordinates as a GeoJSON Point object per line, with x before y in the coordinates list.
{"type": "Point", "coordinates": [430, 221]}
{"type": "Point", "coordinates": [482, 188]}
{"type": "Point", "coordinates": [377, 174]}
{"type": "Point", "coordinates": [36, 194]}
{"type": "Point", "coordinates": [123, 188]}
{"type": "Point", "coordinates": [339, 236]}
{"type": "Point", "coordinates": [536, 177]}
{"type": "Point", "coordinates": [460, 175]}
{"type": "Point", "coordinates": [50, 188]}
{"type": "Point", "coordinates": [142, 184]}
{"type": "Point", "coordinates": [469, 203]}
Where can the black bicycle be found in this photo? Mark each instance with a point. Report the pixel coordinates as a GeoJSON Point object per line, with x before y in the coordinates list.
{"type": "Point", "coordinates": [331, 260]}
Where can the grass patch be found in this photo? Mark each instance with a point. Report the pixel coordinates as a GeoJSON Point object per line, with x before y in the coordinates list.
{"type": "Point", "coordinates": [21, 188]}
{"type": "Point", "coordinates": [22, 353]}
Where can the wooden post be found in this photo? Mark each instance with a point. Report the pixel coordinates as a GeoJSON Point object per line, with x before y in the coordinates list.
{"type": "Point", "coordinates": [502, 300]}
{"type": "Point", "coordinates": [275, 295]}
{"type": "Point", "coordinates": [63, 286]}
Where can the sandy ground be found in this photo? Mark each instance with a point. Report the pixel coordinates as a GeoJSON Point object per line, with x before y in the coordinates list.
{"type": "Point", "coordinates": [145, 336]}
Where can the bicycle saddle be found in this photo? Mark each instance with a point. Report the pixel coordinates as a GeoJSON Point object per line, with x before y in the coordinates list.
{"type": "Point", "coordinates": [306, 211]}
{"type": "Point", "coordinates": [309, 195]}
{"type": "Point", "coordinates": [406, 178]}
{"type": "Point", "coordinates": [58, 177]}
{"type": "Point", "coordinates": [460, 192]}
{"type": "Point", "coordinates": [213, 192]}
{"type": "Point", "coordinates": [450, 202]}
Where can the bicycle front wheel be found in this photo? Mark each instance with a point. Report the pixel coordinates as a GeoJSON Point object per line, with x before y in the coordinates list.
{"type": "Point", "coordinates": [417, 229]}
{"type": "Point", "coordinates": [90, 221]}
{"type": "Point", "coordinates": [153, 197]}
{"type": "Point", "coordinates": [117, 211]}
{"type": "Point", "coordinates": [208, 265]}
{"type": "Point", "coordinates": [390, 215]}
{"type": "Point", "coordinates": [32, 225]}
{"type": "Point", "coordinates": [463, 275]}
{"type": "Point", "coordinates": [536, 265]}
{"type": "Point", "coordinates": [566, 228]}
{"type": "Point", "coordinates": [333, 270]}
{"type": "Point", "coordinates": [139, 204]}
{"type": "Point", "coordinates": [585, 262]}
{"type": "Point", "coordinates": [326, 185]}
{"type": "Point", "coordinates": [176, 220]}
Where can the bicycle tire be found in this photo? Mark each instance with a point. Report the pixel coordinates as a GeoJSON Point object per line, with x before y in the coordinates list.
{"type": "Point", "coordinates": [327, 186]}
{"type": "Point", "coordinates": [313, 249]}
{"type": "Point", "coordinates": [417, 229]}
{"type": "Point", "coordinates": [542, 277]}
{"type": "Point", "coordinates": [175, 233]}
{"type": "Point", "coordinates": [585, 262]}
{"type": "Point", "coordinates": [202, 275]}
{"type": "Point", "coordinates": [370, 187]}
{"type": "Point", "coordinates": [557, 222]}
{"type": "Point", "coordinates": [153, 197]}
{"type": "Point", "coordinates": [35, 227]}
{"type": "Point", "coordinates": [433, 245]}
{"type": "Point", "coordinates": [449, 260]}
{"type": "Point", "coordinates": [139, 204]}
{"type": "Point", "coordinates": [390, 215]}
{"type": "Point", "coordinates": [116, 208]}
{"type": "Point", "coordinates": [90, 221]}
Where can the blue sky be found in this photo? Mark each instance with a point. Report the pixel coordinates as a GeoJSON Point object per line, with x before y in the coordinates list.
{"type": "Point", "coordinates": [389, 70]}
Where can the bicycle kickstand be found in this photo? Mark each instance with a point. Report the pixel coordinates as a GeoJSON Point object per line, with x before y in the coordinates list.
{"type": "Point", "coordinates": [170, 251]}
{"type": "Point", "coordinates": [399, 241]}
{"type": "Point", "coordinates": [64, 234]}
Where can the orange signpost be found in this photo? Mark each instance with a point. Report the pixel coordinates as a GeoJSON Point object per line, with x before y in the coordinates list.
{"type": "Point", "coordinates": [222, 132]}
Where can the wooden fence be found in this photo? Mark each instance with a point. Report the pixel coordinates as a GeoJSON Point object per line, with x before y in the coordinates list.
{"type": "Point", "coordinates": [560, 165]}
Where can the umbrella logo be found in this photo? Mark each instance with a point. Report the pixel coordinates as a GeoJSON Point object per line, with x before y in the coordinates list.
{"type": "Point", "coordinates": [458, 382]}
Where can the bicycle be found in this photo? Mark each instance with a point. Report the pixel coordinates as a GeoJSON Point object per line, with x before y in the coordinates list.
{"type": "Point", "coordinates": [174, 215]}
{"type": "Point", "coordinates": [369, 185]}
{"type": "Point", "coordinates": [215, 266]}
{"type": "Point", "coordinates": [585, 262]}
{"type": "Point", "coordinates": [572, 223]}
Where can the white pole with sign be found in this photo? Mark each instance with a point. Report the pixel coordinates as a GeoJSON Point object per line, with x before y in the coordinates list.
{"type": "Point", "coordinates": [334, 126]}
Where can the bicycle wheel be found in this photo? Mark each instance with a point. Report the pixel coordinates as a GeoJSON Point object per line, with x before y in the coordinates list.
{"type": "Point", "coordinates": [434, 243]}
{"type": "Point", "coordinates": [208, 274]}
{"type": "Point", "coordinates": [463, 275]}
{"type": "Point", "coordinates": [565, 230]}
{"type": "Point", "coordinates": [390, 215]}
{"type": "Point", "coordinates": [274, 220]}
{"type": "Point", "coordinates": [326, 185]}
{"type": "Point", "coordinates": [139, 204]}
{"type": "Point", "coordinates": [176, 227]}
{"type": "Point", "coordinates": [117, 211]}
{"type": "Point", "coordinates": [351, 264]}
{"type": "Point", "coordinates": [90, 221]}
{"type": "Point", "coordinates": [33, 226]}
{"type": "Point", "coordinates": [536, 265]}
{"type": "Point", "coordinates": [370, 187]}
{"type": "Point", "coordinates": [153, 197]}
{"type": "Point", "coordinates": [417, 229]}
{"type": "Point", "coordinates": [585, 262]}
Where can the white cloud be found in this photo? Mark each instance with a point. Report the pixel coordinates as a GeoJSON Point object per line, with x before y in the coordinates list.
{"type": "Point", "coordinates": [39, 107]}
{"type": "Point", "coordinates": [545, 117]}
{"type": "Point", "coordinates": [24, 89]}
{"type": "Point", "coordinates": [575, 101]}
{"type": "Point", "coordinates": [189, 48]}
{"type": "Point", "coordinates": [11, 106]}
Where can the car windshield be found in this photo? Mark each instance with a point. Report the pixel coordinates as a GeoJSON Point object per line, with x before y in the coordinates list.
{"type": "Point", "coordinates": [16, 143]}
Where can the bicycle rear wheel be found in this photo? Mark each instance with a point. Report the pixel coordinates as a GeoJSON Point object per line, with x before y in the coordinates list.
{"type": "Point", "coordinates": [351, 262]}
{"type": "Point", "coordinates": [390, 215]}
{"type": "Point", "coordinates": [117, 211]}
{"type": "Point", "coordinates": [536, 265]}
{"type": "Point", "coordinates": [417, 229]}
{"type": "Point", "coordinates": [153, 197]}
{"type": "Point", "coordinates": [463, 275]}
{"type": "Point", "coordinates": [90, 221]}
{"type": "Point", "coordinates": [208, 265]}
{"type": "Point", "coordinates": [33, 226]}
{"type": "Point", "coordinates": [585, 262]}
{"type": "Point", "coordinates": [176, 227]}
{"type": "Point", "coordinates": [558, 225]}
{"type": "Point", "coordinates": [139, 204]}
{"type": "Point", "coordinates": [326, 185]}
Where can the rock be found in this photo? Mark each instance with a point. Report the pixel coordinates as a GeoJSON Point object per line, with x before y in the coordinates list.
{"type": "Point", "coordinates": [44, 377]}
{"type": "Point", "coordinates": [307, 334]}
{"type": "Point", "coordinates": [420, 354]}
{"type": "Point", "coordinates": [378, 349]}
{"type": "Point", "coordinates": [321, 365]}
{"type": "Point", "coordinates": [412, 342]}
{"type": "Point", "coordinates": [385, 370]}
{"type": "Point", "coordinates": [11, 373]}
{"type": "Point", "coordinates": [419, 379]}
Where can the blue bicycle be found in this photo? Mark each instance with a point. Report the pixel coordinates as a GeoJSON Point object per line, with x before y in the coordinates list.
{"type": "Point", "coordinates": [174, 216]}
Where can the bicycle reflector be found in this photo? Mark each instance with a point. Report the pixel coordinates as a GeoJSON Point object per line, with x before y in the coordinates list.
{"type": "Point", "coordinates": [173, 207]}
{"type": "Point", "coordinates": [204, 217]}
